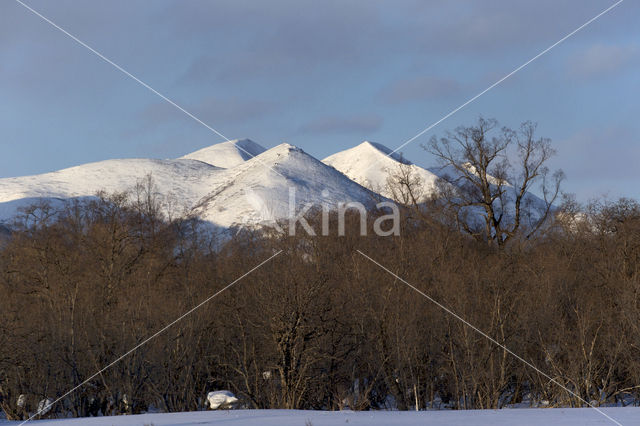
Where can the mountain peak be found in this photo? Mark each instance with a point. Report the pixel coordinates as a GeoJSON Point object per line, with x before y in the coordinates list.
{"type": "Point", "coordinates": [284, 147]}
{"type": "Point", "coordinates": [367, 153]}
{"type": "Point", "coordinates": [227, 154]}
{"type": "Point", "coordinates": [379, 149]}
{"type": "Point", "coordinates": [372, 164]}
{"type": "Point", "coordinates": [276, 153]}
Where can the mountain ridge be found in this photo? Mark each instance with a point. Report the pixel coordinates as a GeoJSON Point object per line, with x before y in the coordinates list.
{"type": "Point", "coordinates": [254, 191]}
{"type": "Point", "coordinates": [236, 183]}
{"type": "Point", "coordinates": [373, 166]}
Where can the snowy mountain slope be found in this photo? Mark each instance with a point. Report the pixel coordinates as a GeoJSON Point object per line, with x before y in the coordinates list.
{"type": "Point", "coordinates": [533, 207]}
{"type": "Point", "coordinates": [227, 154]}
{"type": "Point", "coordinates": [253, 192]}
{"type": "Point", "coordinates": [247, 191]}
{"type": "Point", "coordinates": [259, 190]}
{"type": "Point", "coordinates": [182, 179]}
{"type": "Point", "coordinates": [370, 165]}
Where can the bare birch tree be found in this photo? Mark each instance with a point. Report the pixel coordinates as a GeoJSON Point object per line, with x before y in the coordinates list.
{"type": "Point", "coordinates": [481, 163]}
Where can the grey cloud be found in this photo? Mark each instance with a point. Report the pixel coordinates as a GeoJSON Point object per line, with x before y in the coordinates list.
{"type": "Point", "coordinates": [210, 110]}
{"type": "Point", "coordinates": [362, 124]}
{"type": "Point", "coordinates": [317, 31]}
{"type": "Point", "coordinates": [599, 161]}
{"type": "Point", "coordinates": [485, 28]}
{"type": "Point", "coordinates": [589, 154]}
{"type": "Point", "coordinates": [282, 37]}
{"type": "Point", "coordinates": [234, 109]}
{"type": "Point", "coordinates": [421, 88]}
{"type": "Point", "coordinates": [602, 59]}
{"type": "Point", "coordinates": [240, 67]}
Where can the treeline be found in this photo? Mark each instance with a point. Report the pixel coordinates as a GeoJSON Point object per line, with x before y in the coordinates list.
{"type": "Point", "coordinates": [319, 326]}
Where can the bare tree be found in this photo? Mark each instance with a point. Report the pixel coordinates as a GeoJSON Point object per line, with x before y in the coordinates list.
{"type": "Point", "coordinates": [405, 186]}
{"type": "Point", "coordinates": [478, 162]}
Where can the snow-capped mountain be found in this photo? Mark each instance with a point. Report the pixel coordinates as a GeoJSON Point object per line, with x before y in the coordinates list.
{"type": "Point", "coordinates": [260, 189]}
{"type": "Point", "coordinates": [185, 179]}
{"type": "Point", "coordinates": [534, 207]}
{"type": "Point", "coordinates": [227, 154]}
{"type": "Point", "coordinates": [374, 166]}
{"type": "Point", "coordinates": [249, 191]}
{"type": "Point", "coordinates": [238, 183]}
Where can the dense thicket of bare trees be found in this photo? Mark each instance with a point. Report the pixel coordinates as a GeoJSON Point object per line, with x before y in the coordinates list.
{"type": "Point", "coordinates": [320, 326]}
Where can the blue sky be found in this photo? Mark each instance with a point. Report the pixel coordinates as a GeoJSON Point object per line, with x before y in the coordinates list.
{"type": "Point", "coordinates": [320, 75]}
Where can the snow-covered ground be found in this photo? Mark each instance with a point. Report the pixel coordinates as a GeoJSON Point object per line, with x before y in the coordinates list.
{"type": "Point", "coordinates": [506, 417]}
